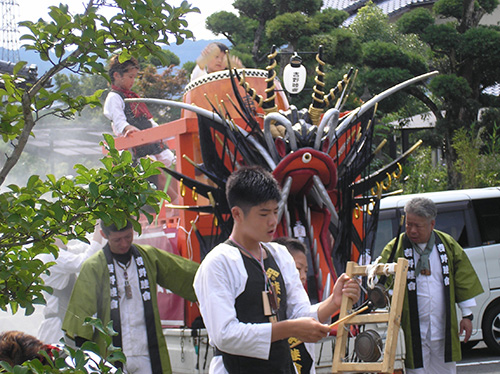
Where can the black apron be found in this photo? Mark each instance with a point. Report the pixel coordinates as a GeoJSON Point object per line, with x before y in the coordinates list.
{"type": "Point", "coordinates": [249, 309]}
{"type": "Point", "coordinates": [142, 123]}
{"type": "Point", "coordinates": [302, 359]}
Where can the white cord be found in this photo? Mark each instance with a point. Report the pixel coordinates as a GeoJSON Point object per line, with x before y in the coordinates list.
{"type": "Point", "coordinates": [189, 244]}
{"type": "Point", "coordinates": [371, 271]}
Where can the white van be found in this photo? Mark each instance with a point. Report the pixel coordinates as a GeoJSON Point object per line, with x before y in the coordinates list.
{"type": "Point", "coordinates": [472, 217]}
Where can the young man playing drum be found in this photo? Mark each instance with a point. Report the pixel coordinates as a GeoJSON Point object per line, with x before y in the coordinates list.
{"type": "Point", "coordinates": [250, 294]}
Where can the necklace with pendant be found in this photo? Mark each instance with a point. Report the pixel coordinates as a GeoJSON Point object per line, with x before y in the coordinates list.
{"type": "Point", "coordinates": [128, 288]}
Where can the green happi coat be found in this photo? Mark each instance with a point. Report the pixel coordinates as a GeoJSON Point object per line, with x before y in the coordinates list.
{"type": "Point", "coordinates": [464, 285]}
{"type": "Point", "coordinates": [91, 294]}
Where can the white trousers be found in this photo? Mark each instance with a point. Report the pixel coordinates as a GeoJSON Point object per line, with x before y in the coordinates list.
{"type": "Point", "coordinates": [433, 359]}
{"type": "Point", "coordinates": [166, 156]}
{"type": "Point", "coordinates": [138, 365]}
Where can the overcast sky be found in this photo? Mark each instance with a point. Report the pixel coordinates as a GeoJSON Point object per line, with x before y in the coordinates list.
{"type": "Point", "coordinates": [32, 10]}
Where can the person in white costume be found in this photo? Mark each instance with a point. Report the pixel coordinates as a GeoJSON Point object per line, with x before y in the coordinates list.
{"type": "Point", "coordinates": [213, 58]}
{"type": "Point", "coordinates": [62, 278]}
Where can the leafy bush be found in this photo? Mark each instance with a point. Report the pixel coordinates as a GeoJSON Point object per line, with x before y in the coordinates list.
{"type": "Point", "coordinates": [421, 174]}
{"type": "Point", "coordinates": [32, 217]}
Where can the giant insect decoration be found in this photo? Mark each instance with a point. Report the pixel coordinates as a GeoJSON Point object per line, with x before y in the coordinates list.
{"type": "Point", "coordinates": [321, 158]}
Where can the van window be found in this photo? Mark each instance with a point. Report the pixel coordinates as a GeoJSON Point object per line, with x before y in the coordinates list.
{"type": "Point", "coordinates": [387, 227]}
{"type": "Point", "coordinates": [488, 217]}
{"type": "Point", "coordinates": [453, 223]}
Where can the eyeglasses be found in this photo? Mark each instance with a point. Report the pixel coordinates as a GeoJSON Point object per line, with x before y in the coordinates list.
{"type": "Point", "coordinates": [416, 226]}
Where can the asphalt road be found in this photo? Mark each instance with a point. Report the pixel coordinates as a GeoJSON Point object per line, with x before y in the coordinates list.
{"type": "Point", "coordinates": [479, 360]}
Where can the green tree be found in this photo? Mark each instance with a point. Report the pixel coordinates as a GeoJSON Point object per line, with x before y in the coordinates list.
{"type": "Point", "coordinates": [289, 28]}
{"type": "Point", "coordinates": [47, 208]}
{"type": "Point", "coordinates": [422, 174]}
{"type": "Point", "coordinates": [372, 24]}
{"type": "Point", "coordinates": [247, 31]}
{"type": "Point", "coordinates": [468, 56]}
{"type": "Point", "coordinates": [168, 85]}
{"type": "Point", "coordinates": [475, 167]}
{"type": "Point", "coordinates": [388, 57]}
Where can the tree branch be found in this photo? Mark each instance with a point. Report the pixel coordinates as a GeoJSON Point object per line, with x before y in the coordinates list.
{"type": "Point", "coordinates": [29, 123]}
{"type": "Point", "coordinates": [420, 95]}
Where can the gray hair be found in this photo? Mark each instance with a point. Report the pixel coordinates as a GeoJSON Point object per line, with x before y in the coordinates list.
{"type": "Point", "coordinates": [422, 207]}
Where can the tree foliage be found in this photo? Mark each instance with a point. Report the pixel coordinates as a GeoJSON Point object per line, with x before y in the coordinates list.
{"type": "Point", "coordinates": [168, 85]}
{"type": "Point", "coordinates": [66, 208]}
{"type": "Point", "coordinates": [289, 28]}
{"type": "Point", "coordinates": [422, 174]}
{"type": "Point", "coordinates": [476, 167]}
{"type": "Point", "coordinates": [47, 208]}
{"type": "Point", "coordinates": [249, 33]}
{"type": "Point", "coordinates": [468, 56]}
{"type": "Point", "coordinates": [372, 24]}
{"type": "Point", "coordinates": [388, 57]}
{"type": "Point", "coordinates": [76, 85]}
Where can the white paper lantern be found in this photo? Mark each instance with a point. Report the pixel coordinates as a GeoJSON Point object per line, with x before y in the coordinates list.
{"type": "Point", "coordinates": [294, 75]}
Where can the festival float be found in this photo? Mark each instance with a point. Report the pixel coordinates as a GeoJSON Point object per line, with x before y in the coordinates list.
{"type": "Point", "coordinates": [323, 160]}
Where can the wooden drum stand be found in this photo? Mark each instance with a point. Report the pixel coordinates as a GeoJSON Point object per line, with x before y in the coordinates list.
{"type": "Point", "coordinates": [392, 317]}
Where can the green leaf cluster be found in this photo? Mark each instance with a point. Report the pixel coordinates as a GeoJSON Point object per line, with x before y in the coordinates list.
{"type": "Point", "coordinates": [31, 217]}
{"type": "Point", "coordinates": [477, 168]}
{"type": "Point", "coordinates": [422, 174]}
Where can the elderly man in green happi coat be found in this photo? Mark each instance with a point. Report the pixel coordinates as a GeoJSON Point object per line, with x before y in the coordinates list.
{"type": "Point", "coordinates": [440, 275]}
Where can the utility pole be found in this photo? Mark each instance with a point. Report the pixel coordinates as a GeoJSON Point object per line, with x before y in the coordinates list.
{"type": "Point", "coordinates": [9, 32]}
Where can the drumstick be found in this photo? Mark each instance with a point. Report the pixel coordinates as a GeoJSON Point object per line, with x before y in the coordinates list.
{"type": "Point", "coordinates": [337, 322]}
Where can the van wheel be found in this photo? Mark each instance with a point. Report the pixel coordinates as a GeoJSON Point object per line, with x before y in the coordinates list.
{"type": "Point", "coordinates": [491, 329]}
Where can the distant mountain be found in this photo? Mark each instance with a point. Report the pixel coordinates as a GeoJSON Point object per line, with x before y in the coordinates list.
{"type": "Point", "coordinates": [187, 51]}
{"type": "Point", "coordinates": [190, 50]}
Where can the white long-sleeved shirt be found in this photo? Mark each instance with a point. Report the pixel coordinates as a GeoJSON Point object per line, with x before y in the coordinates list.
{"type": "Point", "coordinates": [133, 324]}
{"type": "Point", "coordinates": [197, 73]}
{"type": "Point", "coordinates": [430, 299]}
{"type": "Point", "coordinates": [67, 265]}
{"type": "Point", "coordinates": [114, 110]}
{"type": "Point", "coordinates": [220, 279]}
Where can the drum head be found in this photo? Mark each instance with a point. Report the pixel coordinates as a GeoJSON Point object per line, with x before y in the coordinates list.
{"type": "Point", "coordinates": [368, 346]}
{"type": "Point", "coordinates": [213, 88]}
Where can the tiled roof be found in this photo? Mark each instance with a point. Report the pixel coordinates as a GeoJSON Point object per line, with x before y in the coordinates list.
{"type": "Point", "coordinates": [492, 90]}
{"type": "Point", "coordinates": [394, 7]}
{"type": "Point", "coordinates": [350, 6]}
{"type": "Point", "coordinates": [389, 7]}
